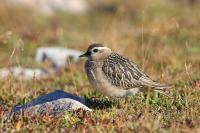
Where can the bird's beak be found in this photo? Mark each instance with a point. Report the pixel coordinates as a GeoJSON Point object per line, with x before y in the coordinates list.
{"type": "Point", "coordinates": [86, 54]}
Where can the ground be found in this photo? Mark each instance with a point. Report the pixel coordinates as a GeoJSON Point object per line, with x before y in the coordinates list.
{"type": "Point", "coordinates": [162, 37]}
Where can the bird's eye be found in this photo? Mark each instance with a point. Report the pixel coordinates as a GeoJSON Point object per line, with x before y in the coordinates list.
{"type": "Point", "coordinates": [95, 50]}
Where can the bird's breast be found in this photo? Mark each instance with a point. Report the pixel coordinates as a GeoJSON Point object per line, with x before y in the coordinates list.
{"type": "Point", "coordinates": [98, 80]}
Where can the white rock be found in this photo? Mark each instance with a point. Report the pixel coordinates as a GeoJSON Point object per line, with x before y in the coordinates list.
{"type": "Point", "coordinates": [28, 73]}
{"type": "Point", "coordinates": [48, 7]}
{"type": "Point", "coordinates": [58, 56]}
{"type": "Point", "coordinates": [22, 73]}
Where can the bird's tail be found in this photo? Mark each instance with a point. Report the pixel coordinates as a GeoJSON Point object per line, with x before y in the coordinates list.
{"type": "Point", "coordinates": [155, 85]}
{"type": "Point", "coordinates": [163, 93]}
{"type": "Point", "coordinates": [162, 87]}
{"type": "Point", "coordinates": [158, 87]}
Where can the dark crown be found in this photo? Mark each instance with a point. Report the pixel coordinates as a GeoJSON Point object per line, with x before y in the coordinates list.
{"type": "Point", "coordinates": [94, 45]}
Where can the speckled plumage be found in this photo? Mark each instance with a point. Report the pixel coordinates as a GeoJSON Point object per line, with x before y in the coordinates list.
{"type": "Point", "coordinates": [120, 71]}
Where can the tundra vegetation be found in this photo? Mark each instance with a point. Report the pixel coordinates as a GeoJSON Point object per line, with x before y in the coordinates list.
{"type": "Point", "coordinates": [161, 36]}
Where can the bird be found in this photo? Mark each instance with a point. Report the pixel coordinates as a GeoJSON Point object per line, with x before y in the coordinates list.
{"type": "Point", "coordinates": [115, 75]}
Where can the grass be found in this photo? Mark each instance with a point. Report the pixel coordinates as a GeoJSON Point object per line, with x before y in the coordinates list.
{"type": "Point", "coordinates": [162, 37]}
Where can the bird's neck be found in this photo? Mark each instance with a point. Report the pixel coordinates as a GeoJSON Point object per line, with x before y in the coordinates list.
{"type": "Point", "coordinates": [101, 58]}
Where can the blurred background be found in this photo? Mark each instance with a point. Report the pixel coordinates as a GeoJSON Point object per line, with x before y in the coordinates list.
{"type": "Point", "coordinates": [161, 36]}
{"type": "Point", "coordinates": [139, 24]}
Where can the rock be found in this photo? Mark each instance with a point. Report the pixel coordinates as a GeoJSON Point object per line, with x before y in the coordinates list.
{"type": "Point", "coordinates": [28, 73]}
{"type": "Point", "coordinates": [22, 73]}
{"type": "Point", "coordinates": [58, 56]}
{"type": "Point", "coordinates": [49, 7]}
{"type": "Point", "coordinates": [52, 104]}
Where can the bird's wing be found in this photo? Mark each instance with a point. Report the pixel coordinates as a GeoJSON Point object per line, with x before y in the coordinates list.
{"type": "Point", "coordinates": [121, 72]}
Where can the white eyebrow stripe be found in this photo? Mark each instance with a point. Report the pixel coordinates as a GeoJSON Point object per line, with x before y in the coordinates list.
{"type": "Point", "coordinates": [101, 48]}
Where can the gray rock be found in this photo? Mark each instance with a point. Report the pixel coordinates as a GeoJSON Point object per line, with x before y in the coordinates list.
{"type": "Point", "coordinates": [52, 104]}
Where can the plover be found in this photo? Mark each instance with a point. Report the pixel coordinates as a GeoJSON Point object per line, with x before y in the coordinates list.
{"type": "Point", "coordinates": [115, 75]}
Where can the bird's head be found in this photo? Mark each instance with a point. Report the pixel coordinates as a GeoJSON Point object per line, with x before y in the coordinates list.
{"type": "Point", "coordinates": [97, 52]}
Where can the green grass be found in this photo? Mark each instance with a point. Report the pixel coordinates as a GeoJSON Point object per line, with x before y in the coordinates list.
{"type": "Point", "coordinates": [162, 37]}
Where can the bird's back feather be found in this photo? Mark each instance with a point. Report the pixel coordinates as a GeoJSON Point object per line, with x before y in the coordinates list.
{"type": "Point", "coordinates": [121, 72]}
